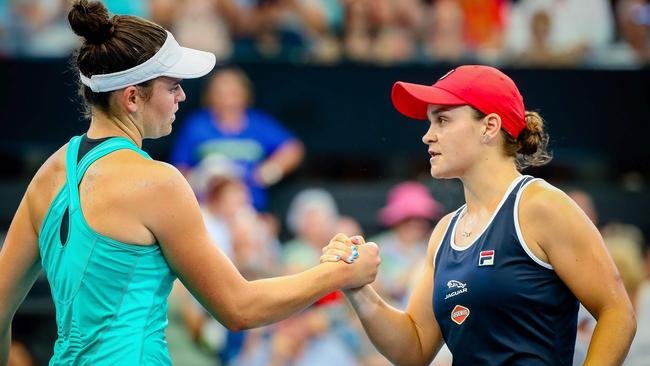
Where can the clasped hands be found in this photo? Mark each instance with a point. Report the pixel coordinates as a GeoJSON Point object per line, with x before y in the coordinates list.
{"type": "Point", "coordinates": [363, 258]}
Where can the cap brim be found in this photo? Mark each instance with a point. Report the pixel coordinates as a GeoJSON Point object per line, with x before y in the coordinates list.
{"type": "Point", "coordinates": [192, 64]}
{"type": "Point", "coordinates": [412, 100]}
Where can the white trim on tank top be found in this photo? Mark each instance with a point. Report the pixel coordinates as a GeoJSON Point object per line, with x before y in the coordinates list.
{"type": "Point", "coordinates": [452, 241]}
{"type": "Point", "coordinates": [442, 241]}
{"type": "Point", "coordinates": [520, 236]}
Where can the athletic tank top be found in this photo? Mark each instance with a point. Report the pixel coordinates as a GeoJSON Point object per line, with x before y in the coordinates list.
{"type": "Point", "coordinates": [496, 302]}
{"type": "Point", "coordinates": [110, 297]}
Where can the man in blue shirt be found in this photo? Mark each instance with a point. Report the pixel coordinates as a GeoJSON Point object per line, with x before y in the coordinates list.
{"type": "Point", "coordinates": [227, 126]}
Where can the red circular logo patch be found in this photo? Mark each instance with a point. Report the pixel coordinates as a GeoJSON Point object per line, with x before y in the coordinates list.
{"type": "Point", "coordinates": [459, 314]}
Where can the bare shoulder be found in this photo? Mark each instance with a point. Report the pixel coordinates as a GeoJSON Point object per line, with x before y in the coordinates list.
{"type": "Point", "coordinates": [166, 205]}
{"type": "Point", "coordinates": [146, 178]}
{"type": "Point", "coordinates": [441, 226]}
{"type": "Point", "coordinates": [49, 173]}
{"type": "Point", "coordinates": [438, 234]}
{"type": "Point", "coordinates": [153, 169]}
{"type": "Point", "coordinates": [125, 192]}
{"type": "Point", "coordinates": [543, 201]}
{"type": "Point", "coordinates": [45, 184]}
{"type": "Point", "coordinates": [156, 185]}
{"type": "Point", "coordinates": [544, 206]}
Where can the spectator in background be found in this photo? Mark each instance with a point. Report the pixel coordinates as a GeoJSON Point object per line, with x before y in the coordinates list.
{"type": "Point", "coordinates": [349, 226]}
{"type": "Point", "coordinates": [324, 20]}
{"type": "Point", "coordinates": [243, 234]}
{"type": "Point", "coordinates": [398, 22]}
{"type": "Point", "coordinates": [634, 24]}
{"type": "Point", "coordinates": [200, 24]}
{"type": "Point", "coordinates": [222, 195]}
{"type": "Point", "coordinates": [262, 37]}
{"type": "Point", "coordinates": [540, 52]}
{"type": "Point", "coordinates": [443, 37]}
{"type": "Point", "coordinates": [384, 31]}
{"type": "Point", "coordinates": [232, 221]}
{"type": "Point", "coordinates": [357, 32]}
{"type": "Point", "coordinates": [227, 126]}
{"type": "Point", "coordinates": [586, 203]}
{"type": "Point", "coordinates": [39, 28]}
{"type": "Point", "coordinates": [312, 215]}
{"type": "Point", "coordinates": [302, 30]}
{"type": "Point", "coordinates": [296, 30]}
{"type": "Point", "coordinates": [484, 27]}
{"type": "Point", "coordinates": [409, 214]}
{"type": "Point", "coordinates": [163, 12]}
{"type": "Point", "coordinates": [570, 24]}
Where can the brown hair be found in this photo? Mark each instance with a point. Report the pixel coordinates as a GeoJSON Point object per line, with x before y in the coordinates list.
{"type": "Point", "coordinates": [530, 148]}
{"type": "Point", "coordinates": [111, 44]}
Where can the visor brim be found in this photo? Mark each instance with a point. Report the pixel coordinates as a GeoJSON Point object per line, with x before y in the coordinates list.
{"type": "Point", "coordinates": [412, 100]}
{"type": "Point", "coordinates": [192, 64]}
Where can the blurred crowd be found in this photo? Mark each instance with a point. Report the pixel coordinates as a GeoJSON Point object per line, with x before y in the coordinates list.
{"type": "Point", "coordinates": [539, 33]}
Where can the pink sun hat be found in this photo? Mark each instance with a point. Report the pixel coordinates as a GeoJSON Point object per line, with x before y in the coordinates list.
{"type": "Point", "coordinates": [409, 200]}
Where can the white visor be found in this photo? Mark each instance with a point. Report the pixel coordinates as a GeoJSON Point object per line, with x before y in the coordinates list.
{"type": "Point", "coordinates": [171, 60]}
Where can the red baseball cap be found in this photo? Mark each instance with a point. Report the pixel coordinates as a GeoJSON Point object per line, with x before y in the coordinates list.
{"type": "Point", "coordinates": [483, 87]}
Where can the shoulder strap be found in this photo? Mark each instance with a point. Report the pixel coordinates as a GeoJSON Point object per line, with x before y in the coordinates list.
{"type": "Point", "coordinates": [71, 173]}
{"type": "Point", "coordinates": [74, 171]}
{"type": "Point", "coordinates": [522, 182]}
{"type": "Point", "coordinates": [103, 149]}
{"type": "Point", "coordinates": [456, 215]}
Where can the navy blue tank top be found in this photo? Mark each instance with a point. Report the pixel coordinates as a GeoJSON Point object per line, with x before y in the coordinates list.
{"type": "Point", "coordinates": [496, 302]}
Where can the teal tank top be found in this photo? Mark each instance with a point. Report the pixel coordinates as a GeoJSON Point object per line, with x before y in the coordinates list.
{"type": "Point", "coordinates": [110, 297]}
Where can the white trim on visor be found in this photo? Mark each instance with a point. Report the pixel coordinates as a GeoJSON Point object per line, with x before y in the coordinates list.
{"type": "Point", "coordinates": [171, 60]}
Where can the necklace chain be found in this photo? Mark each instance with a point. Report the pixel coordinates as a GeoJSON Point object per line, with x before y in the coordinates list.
{"type": "Point", "coordinates": [464, 232]}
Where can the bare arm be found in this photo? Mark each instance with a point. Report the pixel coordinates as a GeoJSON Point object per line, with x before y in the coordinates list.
{"type": "Point", "coordinates": [578, 254]}
{"type": "Point", "coordinates": [283, 161]}
{"type": "Point", "coordinates": [410, 337]}
{"type": "Point", "coordinates": [175, 219]}
{"type": "Point", "coordinates": [19, 268]}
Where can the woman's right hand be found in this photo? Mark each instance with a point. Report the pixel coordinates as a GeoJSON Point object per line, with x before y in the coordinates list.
{"type": "Point", "coordinates": [364, 257]}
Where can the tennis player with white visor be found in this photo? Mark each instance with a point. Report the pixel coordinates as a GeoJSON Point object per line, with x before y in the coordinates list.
{"type": "Point", "coordinates": [112, 229]}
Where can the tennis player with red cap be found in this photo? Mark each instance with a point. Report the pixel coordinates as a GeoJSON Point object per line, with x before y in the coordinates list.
{"type": "Point", "coordinates": [506, 270]}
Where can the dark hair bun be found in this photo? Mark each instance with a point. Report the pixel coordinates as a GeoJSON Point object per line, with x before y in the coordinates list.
{"type": "Point", "coordinates": [91, 21]}
{"type": "Point", "coordinates": [533, 143]}
{"type": "Point", "coordinates": [533, 135]}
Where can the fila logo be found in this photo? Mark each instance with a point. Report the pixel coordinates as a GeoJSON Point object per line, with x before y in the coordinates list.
{"type": "Point", "coordinates": [459, 314]}
{"type": "Point", "coordinates": [486, 258]}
